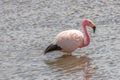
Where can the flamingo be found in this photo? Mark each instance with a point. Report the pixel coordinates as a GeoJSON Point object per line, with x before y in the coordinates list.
{"type": "Point", "coordinates": [69, 40]}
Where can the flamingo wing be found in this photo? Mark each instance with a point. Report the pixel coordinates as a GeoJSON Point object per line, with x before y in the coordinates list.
{"type": "Point", "coordinates": [69, 40]}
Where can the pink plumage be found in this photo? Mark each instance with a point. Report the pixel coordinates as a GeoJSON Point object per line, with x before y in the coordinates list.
{"type": "Point", "coordinates": [69, 40]}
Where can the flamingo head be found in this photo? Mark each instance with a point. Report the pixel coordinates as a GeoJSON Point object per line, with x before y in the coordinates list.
{"type": "Point", "coordinates": [88, 22]}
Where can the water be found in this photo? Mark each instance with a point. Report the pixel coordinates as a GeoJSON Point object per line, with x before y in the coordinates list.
{"type": "Point", "coordinates": [27, 28]}
{"type": "Point", "coordinates": [67, 65]}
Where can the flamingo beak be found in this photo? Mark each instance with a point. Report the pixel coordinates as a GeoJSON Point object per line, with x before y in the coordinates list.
{"type": "Point", "coordinates": [92, 25]}
{"type": "Point", "coordinates": [94, 28]}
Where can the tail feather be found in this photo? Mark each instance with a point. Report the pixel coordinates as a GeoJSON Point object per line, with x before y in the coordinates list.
{"type": "Point", "coordinates": [52, 47]}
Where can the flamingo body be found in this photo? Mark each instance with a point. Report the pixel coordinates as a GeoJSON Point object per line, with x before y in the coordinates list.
{"type": "Point", "coordinates": [69, 40]}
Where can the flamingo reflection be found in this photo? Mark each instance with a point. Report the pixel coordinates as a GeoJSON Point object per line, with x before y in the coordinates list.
{"type": "Point", "coordinates": [72, 64]}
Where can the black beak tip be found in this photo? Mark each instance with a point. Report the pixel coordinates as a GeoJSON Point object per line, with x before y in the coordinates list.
{"type": "Point", "coordinates": [94, 28]}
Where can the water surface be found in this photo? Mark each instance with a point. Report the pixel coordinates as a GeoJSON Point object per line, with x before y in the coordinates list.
{"type": "Point", "coordinates": [27, 27]}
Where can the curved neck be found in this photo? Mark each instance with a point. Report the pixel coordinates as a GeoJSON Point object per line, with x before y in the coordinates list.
{"type": "Point", "coordinates": [87, 36]}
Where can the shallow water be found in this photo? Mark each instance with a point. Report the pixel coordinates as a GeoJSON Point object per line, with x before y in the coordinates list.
{"type": "Point", "coordinates": [67, 65]}
{"type": "Point", "coordinates": [27, 28]}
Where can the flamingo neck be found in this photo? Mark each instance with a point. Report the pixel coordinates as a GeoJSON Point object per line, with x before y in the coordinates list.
{"type": "Point", "coordinates": [87, 36]}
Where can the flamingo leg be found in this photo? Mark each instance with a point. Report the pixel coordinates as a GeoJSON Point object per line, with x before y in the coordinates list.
{"type": "Point", "coordinates": [67, 54]}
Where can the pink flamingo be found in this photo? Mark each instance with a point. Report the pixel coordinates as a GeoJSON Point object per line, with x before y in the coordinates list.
{"type": "Point", "coordinates": [69, 40]}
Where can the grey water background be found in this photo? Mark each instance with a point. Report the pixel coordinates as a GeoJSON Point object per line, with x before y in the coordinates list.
{"type": "Point", "coordinates": [28, 26]}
